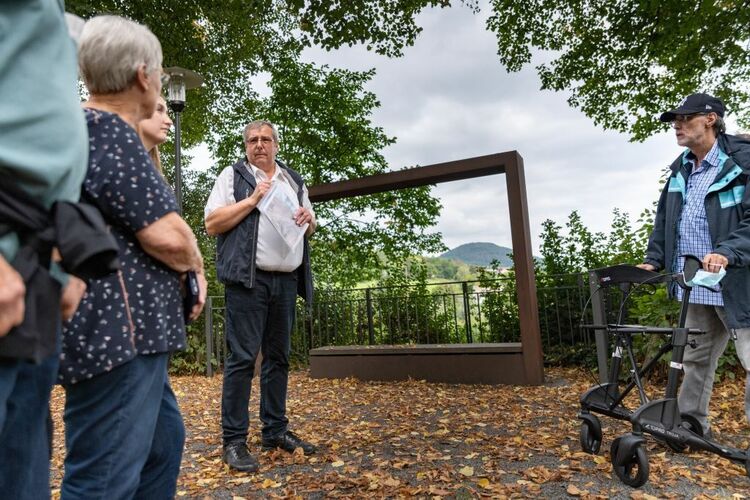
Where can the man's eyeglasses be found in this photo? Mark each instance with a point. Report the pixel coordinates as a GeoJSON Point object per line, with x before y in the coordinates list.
{"type": "Point", "coordinates": [265, 141]}
{"type": "Point", "coordinates": [686, 118]}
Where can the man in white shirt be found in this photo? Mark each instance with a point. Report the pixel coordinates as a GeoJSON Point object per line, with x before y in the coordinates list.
{"type": "Point", "coordinates": [263, 268]}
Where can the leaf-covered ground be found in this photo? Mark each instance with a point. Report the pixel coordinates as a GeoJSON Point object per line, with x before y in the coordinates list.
{"type": "Point", "coordinates": [435, 440]}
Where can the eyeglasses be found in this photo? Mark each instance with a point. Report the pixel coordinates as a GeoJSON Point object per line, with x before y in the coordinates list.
{"type": "Point", "coordinates": [265, 141]}
{"type": "Point", "coordinates": [164, 79]}
{"type": "Point", "coordinates": [686, 118]}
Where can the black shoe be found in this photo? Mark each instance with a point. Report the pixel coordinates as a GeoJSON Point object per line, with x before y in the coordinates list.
{"type": "Point", "coordinates": [237, 457]}
{"type": "Point", "coordinates": [288, 442]}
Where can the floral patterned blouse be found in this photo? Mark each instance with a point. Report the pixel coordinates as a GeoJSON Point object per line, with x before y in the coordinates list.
{"type": "Point", "coordinates": [139, 310]}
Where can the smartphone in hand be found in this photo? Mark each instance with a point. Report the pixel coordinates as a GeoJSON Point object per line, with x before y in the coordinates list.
{"type": "Point", "coordinates": [192, 291]}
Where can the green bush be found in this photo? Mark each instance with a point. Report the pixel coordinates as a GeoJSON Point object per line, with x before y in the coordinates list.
{"type": "Point", "coordinates": [192, 360]}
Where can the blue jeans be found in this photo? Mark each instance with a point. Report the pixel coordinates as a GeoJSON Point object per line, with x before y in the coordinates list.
{"type": "Point", "coordinates": [123, 433]}
{"type": "Point", "coordinates": [24, 438]}
{"type": "Point", "coordinates": [258, 319]}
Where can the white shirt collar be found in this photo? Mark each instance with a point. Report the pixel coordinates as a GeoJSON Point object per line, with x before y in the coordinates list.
{"type": "Point", "coordinates": [260, 175]}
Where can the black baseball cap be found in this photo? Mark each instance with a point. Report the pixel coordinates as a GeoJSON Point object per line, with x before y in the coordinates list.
{"type": "Point", "coordinates": [695, 103]}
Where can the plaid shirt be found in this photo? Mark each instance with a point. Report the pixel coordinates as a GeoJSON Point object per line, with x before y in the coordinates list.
{"type": "Point", "coordinates": [693, 236]}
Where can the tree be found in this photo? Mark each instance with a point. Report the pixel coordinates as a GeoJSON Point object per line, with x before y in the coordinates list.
{"type": "Point", "coordinates": [578, 249]}
{"type": "Point", "coordinates": [323, 113]}
{"type": "Point", "coordinates": [566, 257]}
{"type": "Point", "coordinates": [623, 61]}
{"type": "Point", "coordinates": [500, 303]}
{"type": "Point", "coordinates": [448, 269]}
{"type": "Point", "coordinates": [627, 61]}
{"type": "Point", "coordinates": [385, 26]}
{"type": "Point", "coordinates": [324, 116]}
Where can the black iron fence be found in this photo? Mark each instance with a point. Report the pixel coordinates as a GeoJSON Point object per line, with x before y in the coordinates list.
{"type": "Point", "coordinates": [438, 313]}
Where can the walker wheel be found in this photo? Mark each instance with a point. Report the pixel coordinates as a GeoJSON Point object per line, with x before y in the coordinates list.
{"type": "Point", "coordinates": [634, 472]}
{"type": "Point", "coordinates": [591, 432]}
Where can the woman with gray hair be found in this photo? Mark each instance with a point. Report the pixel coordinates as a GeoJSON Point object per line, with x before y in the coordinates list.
{"type": "Point", "coordinates": [123, 428]}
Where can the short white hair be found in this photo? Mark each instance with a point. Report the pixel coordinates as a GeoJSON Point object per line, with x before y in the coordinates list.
{"type": "Point", "coordinates": [257, 124]}
{"type": "Point", "coordinates": [112, 48]}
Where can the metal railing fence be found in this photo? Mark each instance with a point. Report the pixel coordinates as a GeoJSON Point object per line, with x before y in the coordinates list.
{"type": "Point", "coordinates": [436, 313]}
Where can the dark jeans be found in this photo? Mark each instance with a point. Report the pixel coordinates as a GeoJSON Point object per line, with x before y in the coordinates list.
{"type": "Point", "coordinates": [123, 433]}
{"type": "Point", "coordinates": [24, 439]}
{"type": "Point", "coordinates": [258, 319]}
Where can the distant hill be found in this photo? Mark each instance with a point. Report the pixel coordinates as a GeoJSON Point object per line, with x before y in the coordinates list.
{"type": "Point", "coordinates": [480, 254]}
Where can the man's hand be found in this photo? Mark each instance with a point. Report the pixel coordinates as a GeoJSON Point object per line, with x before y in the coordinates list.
{"type": "Point", "coordinates": [713, 262]}
{"type": "Point", "coordinates": [260, 191]}
{"type": "Point", "coordinates": [227, 217]}
{"type": "Point", "coordinates": [647, 267]}
{"type": "Point", "coordinates": [12, 293]}
{"type": "Point", "coordinates": [71, 297]}
{"type": "Point", "coordinates": [303, 216]}
{"type": "Point", "coordinates": [202, 291]}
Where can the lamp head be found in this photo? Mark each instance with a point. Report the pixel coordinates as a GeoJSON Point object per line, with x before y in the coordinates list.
{"type": "Point", "coordinates": [180, 80]}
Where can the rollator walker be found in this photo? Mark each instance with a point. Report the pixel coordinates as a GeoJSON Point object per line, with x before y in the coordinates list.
{"type": "Point", "coordinates": [660, 418]}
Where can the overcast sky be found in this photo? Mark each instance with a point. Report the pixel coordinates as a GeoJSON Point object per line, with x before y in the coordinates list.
{"type": "Point", "coordinates": [449, 98]}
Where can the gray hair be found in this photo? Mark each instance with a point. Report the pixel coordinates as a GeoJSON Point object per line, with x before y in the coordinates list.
{"type": "Point", "coordinates": [112, 49]}
{"type": "Point", "coordinates": [256, 124]}
{"type": "Point", "coordinates": [719, 126]}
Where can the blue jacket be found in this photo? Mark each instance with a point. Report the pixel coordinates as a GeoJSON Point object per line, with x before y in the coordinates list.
{"type": "Point", "coordinates": [728, 212]}
{"type": "Point", "coordinates": [235, 249]}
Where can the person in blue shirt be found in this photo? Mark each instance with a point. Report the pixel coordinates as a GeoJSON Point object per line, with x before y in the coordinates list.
{"type": "Point", "coordinates": [43, 151]}
{"type": "Point", "coordinates": [704, 210]}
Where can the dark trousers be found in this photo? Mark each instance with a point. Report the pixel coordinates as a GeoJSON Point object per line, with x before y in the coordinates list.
{"type": "Point", "coordinates": [123, 433]}
{"type": "Point", "coordinates": [24, 440]}
{"type": "Point", "coordinates": [700, 363]}
{"type": "Point", "coordinates": [258, 319]}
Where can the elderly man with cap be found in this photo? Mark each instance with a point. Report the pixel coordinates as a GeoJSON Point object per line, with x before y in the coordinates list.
{"type": "Point", "coordinates": [704, 210]}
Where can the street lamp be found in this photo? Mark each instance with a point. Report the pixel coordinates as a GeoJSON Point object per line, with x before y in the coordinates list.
{"type": "Point", "coordinates": [180, 80]}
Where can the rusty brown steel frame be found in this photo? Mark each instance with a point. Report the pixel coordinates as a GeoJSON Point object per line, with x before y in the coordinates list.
{"type": "Point", "coordinates": [509, 163]}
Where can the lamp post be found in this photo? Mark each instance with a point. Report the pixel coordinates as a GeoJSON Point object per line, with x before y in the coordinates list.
{"type": "Point", "coordinates": [180, 80]}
